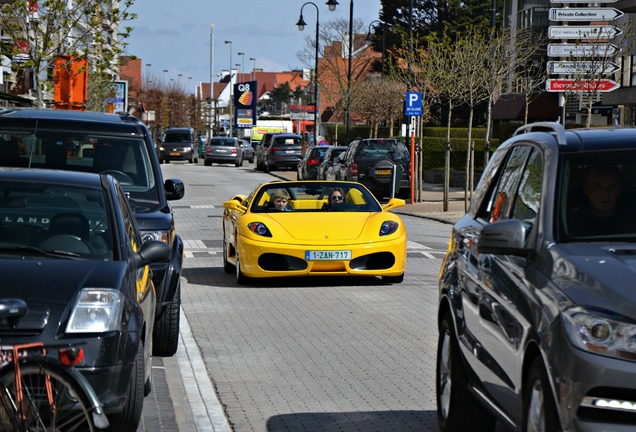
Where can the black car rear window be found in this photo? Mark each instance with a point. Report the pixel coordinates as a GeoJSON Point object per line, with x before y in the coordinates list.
{"type": "Point", "coordinates": [392, 149]}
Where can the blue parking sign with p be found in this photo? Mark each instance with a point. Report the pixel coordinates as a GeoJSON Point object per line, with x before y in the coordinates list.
{"type": "Point", "coordinates": [413, 104]}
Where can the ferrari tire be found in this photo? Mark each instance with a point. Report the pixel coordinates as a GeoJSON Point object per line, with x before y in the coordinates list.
{"type": "Point", "coordinates": [457, 409]}
{"type": "Point", "coordinates": [393, 279]}
{"type": "Point", "coordinates": [241, 279]}
{"type": "Point", "coordinates": [227, 266]}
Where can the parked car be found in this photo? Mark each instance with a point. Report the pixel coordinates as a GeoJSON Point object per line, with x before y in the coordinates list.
{"type": "Point", "coordinates": [537, 313]}
{"type": "Point", "coordinates": [327, 167]}
{"type": "Point", "coordinates": [121, 146]}
{"type": "Point", "coordinates": [307, 168]}
{"type": "Point", "coordinates": [70, 248]}
{"type": "Point", "coordinates": [248, 150]}
{"type": "Point", "coordinates": [179, 144]}
{"type": "Point", "coordinates": [224, 150]}
{"type": "Point", "coordinates": [262, 149]}
{"type": "Point", "coordinates": [371, 162]}
{"type": "Point", "coordinates": [350, 233]}
{"type": "Point", "coordinates": [283, 152]}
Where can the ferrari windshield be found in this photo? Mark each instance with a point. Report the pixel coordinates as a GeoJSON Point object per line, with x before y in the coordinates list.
{"type": "Point", "coordinates": [314, 196]}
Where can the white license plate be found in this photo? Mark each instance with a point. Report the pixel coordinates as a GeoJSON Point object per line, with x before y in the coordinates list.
{"type": "Point", "coordinates": [221, 150]}
{"type": "Point", "coordinates": [327, 255]}
{"type": "Point", "coordinates": [290, 151]}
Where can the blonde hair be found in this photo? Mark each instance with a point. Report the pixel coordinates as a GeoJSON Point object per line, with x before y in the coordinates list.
{"type": "Point", "coordinates": [280, 193]}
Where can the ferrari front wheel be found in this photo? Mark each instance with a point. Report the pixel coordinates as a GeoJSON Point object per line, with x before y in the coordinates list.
{"type": "Point", "coordinates": [227, 266]}
{"type": "Point", "coordinates": [241, 279]}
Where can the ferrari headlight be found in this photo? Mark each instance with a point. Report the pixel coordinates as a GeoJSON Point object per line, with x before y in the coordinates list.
{"type": "Point", "coordinates": [162, 236]}
{"type": "Point", "coordinates": [601, 333]}
{"type": "Point", "coordinates": [388, 227]}
{"type": "Point", "coordinates": [97, 310]}
{"type": "Point", "coordinates": [259, 228]}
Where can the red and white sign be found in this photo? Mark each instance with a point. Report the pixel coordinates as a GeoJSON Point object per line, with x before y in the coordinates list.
{"type": "Point", "coordinates": [571, 85]}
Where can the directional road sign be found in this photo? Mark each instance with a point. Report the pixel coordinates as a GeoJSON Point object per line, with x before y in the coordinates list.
{"type": "Point", "coordinates": [582, 67]}
{"type": "Point", "coordinates": [582, 50]}
{"type": "Point", "coordinates": [584, 14]}
{"type": "Point", "coordinates": [413, 104]}
{"type": "Point", "coordinates": [571, 85]}
{"type": "Point", "coordinates": [594, 33]}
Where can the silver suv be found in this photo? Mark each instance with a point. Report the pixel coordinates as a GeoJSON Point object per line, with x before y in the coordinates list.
{"type": "Point", "coordinates": [537, 311]}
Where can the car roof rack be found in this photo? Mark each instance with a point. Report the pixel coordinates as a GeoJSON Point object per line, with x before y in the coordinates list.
{"type": "Point", "coordinates": [555, 127]}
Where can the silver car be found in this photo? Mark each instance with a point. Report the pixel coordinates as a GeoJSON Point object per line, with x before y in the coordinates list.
{"type": "Point", "coordinates": [223, 150]}
{"type": "Point", "coordinates": [537, 307]}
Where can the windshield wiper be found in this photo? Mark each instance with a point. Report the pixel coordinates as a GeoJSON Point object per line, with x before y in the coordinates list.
{"type": "Point", "coordinates": [33, 251]}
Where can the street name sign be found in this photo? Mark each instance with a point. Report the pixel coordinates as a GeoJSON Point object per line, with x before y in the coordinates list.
{"type": "Point", "coordinates": [571, 85]}
{"type": "Point", "coordinates": [584, 14]}
{"type": "Point", "coordinates": [582, 67]}
{"type": "Point", "coordinates": [583, 32]}
{"type": "Point", "coordinates": [582, 50]}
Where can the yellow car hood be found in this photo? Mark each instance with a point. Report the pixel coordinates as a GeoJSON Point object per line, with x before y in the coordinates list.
{"type": "Point", "coordinates": [321, 226]}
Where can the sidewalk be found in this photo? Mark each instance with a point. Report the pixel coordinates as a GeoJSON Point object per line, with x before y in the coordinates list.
{"type": "Point", "coordinates": [431, 206]}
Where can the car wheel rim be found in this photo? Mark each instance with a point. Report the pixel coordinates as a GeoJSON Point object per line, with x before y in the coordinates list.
{"type": "Point", "coordinates": [536, 414]}
{"type": "Point", "coordinates": [444, 379]}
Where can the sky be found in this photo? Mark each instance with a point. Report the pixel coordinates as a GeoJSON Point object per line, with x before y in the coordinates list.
{"type": "Point", "coordinates": [175, 36]}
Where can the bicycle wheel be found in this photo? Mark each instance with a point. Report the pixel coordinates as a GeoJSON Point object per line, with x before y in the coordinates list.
{"type": "Point", "coordinates": [69, 410]}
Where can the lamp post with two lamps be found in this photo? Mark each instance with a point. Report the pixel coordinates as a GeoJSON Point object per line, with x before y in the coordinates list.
{"type": "Point", "coordinates": [231, 102]}
{"type": "Point", "coordinates": [301, 26]}
{"type": "Point", "coordinates": [332, 7]}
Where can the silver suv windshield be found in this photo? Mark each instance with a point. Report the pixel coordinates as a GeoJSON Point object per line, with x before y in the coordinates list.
{"type": "Point", "coordinates": [598, 196]}
{"type": "Point", "coordinates": [125, 158]}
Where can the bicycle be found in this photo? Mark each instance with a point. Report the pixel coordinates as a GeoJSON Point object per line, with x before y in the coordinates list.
{"type": "Point", "coordinates": [39, 392]}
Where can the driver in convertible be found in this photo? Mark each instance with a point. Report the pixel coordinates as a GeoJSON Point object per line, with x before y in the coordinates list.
{"type": "Point", "coordinates": [336, 198]}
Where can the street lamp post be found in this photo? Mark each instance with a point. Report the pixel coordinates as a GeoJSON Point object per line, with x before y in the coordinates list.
{"type": "Point", "coordinates": [212, 114]}
{"type": "Point", "coordinates": [148, 80]}
{"type": "Point", "coordinates": [301, 26]}
{"type": "Point", "coordinates": [231, 102]}
{"type": "Point", "coordinates": [332, 7]}
{"type": "Point", "coordinates": [369, 39]}
{"type": "Point", "coordinates": [242, 54]}
{"type": "Point", "coordinates": [252, 76]}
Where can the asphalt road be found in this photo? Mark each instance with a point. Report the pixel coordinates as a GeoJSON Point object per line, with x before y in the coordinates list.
{"type": "Point", "coordinates": [315, 354]}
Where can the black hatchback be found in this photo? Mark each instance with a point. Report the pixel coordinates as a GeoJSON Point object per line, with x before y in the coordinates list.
{"type": "Point", "coordinates": [71, 249]}
{"type": "Point", "coordinates": [119, 145]}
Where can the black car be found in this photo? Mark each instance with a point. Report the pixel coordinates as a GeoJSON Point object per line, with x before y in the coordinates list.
{"type": "Point", "coordinates": [537, 313]}
{"type": "Point", "coordinates": [261, 149]}
{"type": "Point", "coordinates": [308, 165]}
{"type": "Point", "coordinates": [179, 144]}
{"type": "Point", "coordinates": [71, 249]}
{"type": "Point", "coordinates": [120, 145]}
{"type": "Point", "coordinates": [284, 151]}
{"type": "Point", "coordinates": [372, 162]}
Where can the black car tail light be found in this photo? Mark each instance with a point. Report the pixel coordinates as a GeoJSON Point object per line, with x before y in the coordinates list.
{"type": "Point", "coordinates": [312, 162]}
{"type": "Point", "coordinates": [354, 169]}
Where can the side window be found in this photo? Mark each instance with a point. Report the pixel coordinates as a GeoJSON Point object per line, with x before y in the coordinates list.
{"type": "Point", "coordinates": [528, 200]}
{"type": "Point", "coordinates": [502, 197]}
{"type": "Point", "coordinates": [132, 239]}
